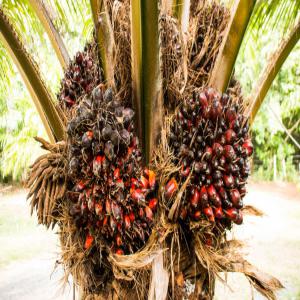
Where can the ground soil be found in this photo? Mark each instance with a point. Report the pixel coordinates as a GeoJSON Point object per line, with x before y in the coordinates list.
{"type": "Point", "coordinates": [28, 253]}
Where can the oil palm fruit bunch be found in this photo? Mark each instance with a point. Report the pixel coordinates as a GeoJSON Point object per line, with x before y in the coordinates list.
{"type": "Point", "coordinates": [210, 141]}
{"type": "Point", "coordinates": [112, 195]}
{"type": "Point", "coordinates": [81, 76]}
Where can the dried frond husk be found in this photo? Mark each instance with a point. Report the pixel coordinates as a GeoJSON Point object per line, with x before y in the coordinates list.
{"type": "Point", "coordinates": [45, 188]}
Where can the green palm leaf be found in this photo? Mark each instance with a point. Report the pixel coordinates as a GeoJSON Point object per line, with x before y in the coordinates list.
{"type": "Point", "coordinates": [274, 15]}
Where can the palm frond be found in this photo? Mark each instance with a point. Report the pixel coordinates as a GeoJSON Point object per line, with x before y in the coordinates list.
{"type": "Point", "coordinates": [222, 71]}
{"type": "Point", "coordinates": [274, 15]}
{"type": "Point", "coordinates": [7, 71]}
{"type": "Point", "coordinates": [35, 41]}
{"type": "Point", "coordinates": [32, 78]}
{"type": "Point", "coordinates": [58, 45]}
{"type": "Point", "coordinates": [271, 70]}
{"type": "Point", "coordinates": [70, 12]}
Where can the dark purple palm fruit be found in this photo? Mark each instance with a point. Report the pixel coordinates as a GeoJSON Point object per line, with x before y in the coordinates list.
{"type": "Point", "coordinates": [211, 144]}
{"type": "Point", "coordinates": [81, 76]}
{"type": "Point", "coordinates": [111, 195]}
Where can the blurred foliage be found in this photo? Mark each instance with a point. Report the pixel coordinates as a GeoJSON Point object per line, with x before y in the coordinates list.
{"type": "Point", "coordinates": [274, 15]}
{"type": "Point", "coordinates": [19, 124]}
{"type": "Point", "coordinates": [19, 121]}
{"type": "Point", "coordinates": [283, 99]}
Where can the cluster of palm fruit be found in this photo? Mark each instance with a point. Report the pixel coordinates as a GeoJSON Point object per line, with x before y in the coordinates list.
{"type": "Point", "coordinates": [81, 77]}
{"type": "Point", "coordinates": [112, 196]}
{"type": "Point", "coordinates": [211, 143]}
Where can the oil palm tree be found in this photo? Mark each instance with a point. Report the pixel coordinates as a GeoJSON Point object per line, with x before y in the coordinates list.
{"type": "Point", "coordinates": [153, 56]}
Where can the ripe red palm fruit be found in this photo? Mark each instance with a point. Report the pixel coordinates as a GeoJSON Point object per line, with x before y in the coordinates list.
{"type": "Point", "coordinates": [203, 99]}
{"type": "Point", "coordinates": [194, 200]}
{"type": "Point", "coordinates": [88, 241]}
{"type": "Point", "coordinates": [236, 198]}
{"type": "Point", "coordinates": [230, 136]}
{"type": "Point", "coordinates": [105, 221]}
{"type": "Point", "coordinates": [80, 186]}
{"type": "Point", "coordinates": [151, 178]}
{"type": "Point", "coordinates": [217, 201]}
{"type": "Point", "coordinates": [217, 149]}
{"type": "Point", "coordinates": [153, 203]}
{"type": "Point", "coordinates": [119, 252]}
{"type": "Point", "coordinates": [231, 114]}
{"type": "Point", "coordinates": [229, 153]}
{"type": "Point", "coordinates": [141, 213]}
{"type": "Point", "coordinates": [197, 215]}
{"type": "Point", "coordinates": [218, 212]}
{"type": "Point", "coordinates": [144, 182]}
{"type": "Point", "coordinates": [228, 181]}
{"type": "Point", "coordinates": [209, 213]}
{"type": "Point", "coordinates": [231, 213]}
{"type": "Point", "coordinates": [248, 147]}
{"type": "Point", "coordinates": [149, 213]}
{"type": "Point", "coordinates": [119, 240]}
{"type": "Point", "coordinates": [212, 193]}
{"type": "Point", "coordinates": [239, 218]}
{"type": "Point", "coordinates": [208, 153]}
{"type": "Point", "coordinates": [127, 221]}
{"type": "Point", "coordinates": [203, 196]}
{"type": "Point", "coordinates": [137, 195]}
{"type": "Point", "coordinates": [108, 206]}
{"type": "Point", "coordinates": [170, 188]}
{"type": "Point", "coordinates": [131, 216]}
{"type": "Point", "coordinates": [117, 173]}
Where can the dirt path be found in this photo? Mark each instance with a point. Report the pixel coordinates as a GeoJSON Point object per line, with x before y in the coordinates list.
{"type": "Point", "coordinates": [33, 279]}
{"type": "Point", "coordinates": [273, 244]}
{"type": "Point", "coordinates": [272, 241]}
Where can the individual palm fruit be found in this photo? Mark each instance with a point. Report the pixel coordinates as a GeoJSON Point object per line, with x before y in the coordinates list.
{"type": "Point", "coordinates": [111, 195]}
{"type": "Point", "coordinates": [211, 144]}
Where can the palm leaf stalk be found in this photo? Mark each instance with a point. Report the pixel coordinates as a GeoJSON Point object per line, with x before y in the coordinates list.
{"type": "Point", "coordinates": [105, 38]}
{"type": "Point", "coordinates": [233, 38]}
{"type": "Point", "coordinates": [96, 7]}
{"type": "Point", "coordinates": [271, 70]}
{"type": "Point", "coordinates": [147, 84]}
{"type": "Point", "coordinates": [55, 38]}
{"type": "Point", "coordinates": [181, 11]}
{"type": "Point", "coordinates": [32, 78]}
